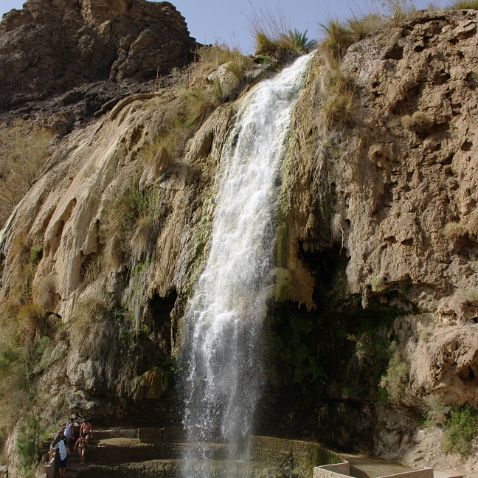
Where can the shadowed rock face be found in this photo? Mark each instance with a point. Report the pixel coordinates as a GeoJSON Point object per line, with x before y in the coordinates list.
{"type": "Point", "coordinates": [54, 45]}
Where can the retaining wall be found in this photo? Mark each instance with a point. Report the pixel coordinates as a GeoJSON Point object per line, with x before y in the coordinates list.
{"type": "Point", "coordinates": [343, 470]}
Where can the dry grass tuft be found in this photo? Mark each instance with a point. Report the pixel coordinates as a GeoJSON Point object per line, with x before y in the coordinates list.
{"type": "Point", "coordinates": [30, 318]}
{"type": "Point", "coordinates": [274, 38]}
{"type": "Point", "coordinates": [93, 329]}
{"type": "Point", "coordinates": [338, 39]}
{"type": "Point", "coordinates": [339, 107]}
{"type": "Point", "coordinates": [419, 122]}
{"type": "Point", "coordinates": [363, 27]}
{"type": "Point", "coordinates": [200, 102]}
{"type": "Point", "coordinates": [131, 223]}
{"type": "Point", "coordinates": [399, 10]}
{"type": "Point", "coordinates": [43, 293]}
{"type": "Point", "coordinates": [23, 153]}
{"type": "Point", "coordinates": [464, 5]}
{"type": "Point", "coordinates": [454, 231]}
{"type": "Point", "coordinates": [209, 58]}
{"type": "Point", "coordinates": [144, 235]}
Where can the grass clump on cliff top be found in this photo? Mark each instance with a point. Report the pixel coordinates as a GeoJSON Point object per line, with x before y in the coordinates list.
{"type": "Point", "coordinates": [23, 153]}
{"type": "Point", "coordinates": [465, 5]}
{"type": "Point", "coordinates": [339, 36]}
{"type": "Point", "coordinates": [274, 38]}
{"type": "Point", "coordinates": [208, 58]}
{"type": "Point", "coordinates": [290, 44]}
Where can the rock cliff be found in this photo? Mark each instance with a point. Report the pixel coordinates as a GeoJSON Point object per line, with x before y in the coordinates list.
{"type": "Point", "coordinates": [94, 51]}
{"type": "Point", "coordinates": [377, 236]}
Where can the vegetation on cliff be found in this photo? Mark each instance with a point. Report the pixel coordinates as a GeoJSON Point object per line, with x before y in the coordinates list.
{"type": "Point", "coordinates": [23, 153]}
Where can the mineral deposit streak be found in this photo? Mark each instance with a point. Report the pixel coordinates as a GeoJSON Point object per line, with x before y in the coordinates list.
{"type": "Point", "coordinates": [223, 323]}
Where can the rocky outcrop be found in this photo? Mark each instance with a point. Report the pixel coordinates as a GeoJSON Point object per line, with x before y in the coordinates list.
{"type": "Point", "coordinates": [392, 197]}
{"type": "Point", "coordinates": [50, 47]}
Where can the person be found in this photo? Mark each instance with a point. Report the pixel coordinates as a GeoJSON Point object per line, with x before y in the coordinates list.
{"type": "Point", "coordinates": [86, 430]}
{"type": "Point", "coordinates": [62, 448]}
{"type": "Point", "coordinates": [81, 445]}
{"type": "Point", "coordinates": [69, 432]}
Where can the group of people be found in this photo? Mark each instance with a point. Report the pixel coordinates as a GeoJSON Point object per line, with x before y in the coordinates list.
{"type": "Point", "coordinates": [73, 436]}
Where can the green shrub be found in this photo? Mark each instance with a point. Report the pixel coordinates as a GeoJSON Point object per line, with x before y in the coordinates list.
{"type": "Point", "coordinates": [436, 412]}
{"type": "Point", "coordinates": [396, 377]}
{"type": "Point", "coordinates": [460, 430]}
{"type": "Point", "coordinates": [28, 445]}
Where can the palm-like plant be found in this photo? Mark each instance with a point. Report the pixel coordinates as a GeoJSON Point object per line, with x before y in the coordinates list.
{"type": "Point", "coordinates": [299, 41]}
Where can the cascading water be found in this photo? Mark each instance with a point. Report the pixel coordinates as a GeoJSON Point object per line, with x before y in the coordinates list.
{"type": "Point", "coordinates": [224, 319]}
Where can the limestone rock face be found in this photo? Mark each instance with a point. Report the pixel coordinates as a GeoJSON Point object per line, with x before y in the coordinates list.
{"type": "Point", "coordinates": [394, 198]}
{"type": "Point", "coordinates": [51, 46]}
{"type": "Point", "coordinates": [410, 195]}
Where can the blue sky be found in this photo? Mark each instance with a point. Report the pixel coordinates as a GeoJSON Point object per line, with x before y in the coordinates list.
{"type": "Point", "coordinates": [228, 21]}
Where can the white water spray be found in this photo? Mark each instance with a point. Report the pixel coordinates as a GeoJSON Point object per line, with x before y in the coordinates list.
{"type": "Point", "coordinates": [223, 322]}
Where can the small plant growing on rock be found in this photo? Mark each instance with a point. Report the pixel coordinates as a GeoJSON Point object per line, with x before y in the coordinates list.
{"type": "Point", "coordinates": [378, 284]}
{"type": "Point", "coordinates": [471, 297]}
{"type": "Point", "coordinates": [465, 5]}
{"type": "Point", "coordinates": [339, 108]}
{"type": "Point", "coordinates": [94, 329]}
{"type": "Point", "coordinates": [472, 224]}
{"type": "Point", "coordinates": [436, 412]}
{"type": "Point", "coordinates": [275, 39]}
{"type": "Point", "coordinates": [419, 122]}
{"type": "Point", "coordinates": [398, 10]}
{"type": "Point", "coordinates": [454, 231]}
{"type": "Point", "coordinates": [396, 378]}
{"type": "Point", "coordinates": [338, 39]}
{"type": "Point", "coordinates": [460, 430]}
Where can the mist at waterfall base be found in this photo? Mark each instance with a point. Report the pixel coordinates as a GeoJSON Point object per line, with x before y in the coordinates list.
{"type": "Point", "coordinates": [223, 323]}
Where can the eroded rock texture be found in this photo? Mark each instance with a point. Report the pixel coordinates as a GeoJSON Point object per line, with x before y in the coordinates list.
{"type": "Point", "coordinates": [385, 213]}
{"type": "Point", "coordinates": [50, 47]}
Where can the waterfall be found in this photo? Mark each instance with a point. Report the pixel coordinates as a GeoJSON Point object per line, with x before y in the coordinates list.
{"type": "Point", "coordinates": [223, 321]}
